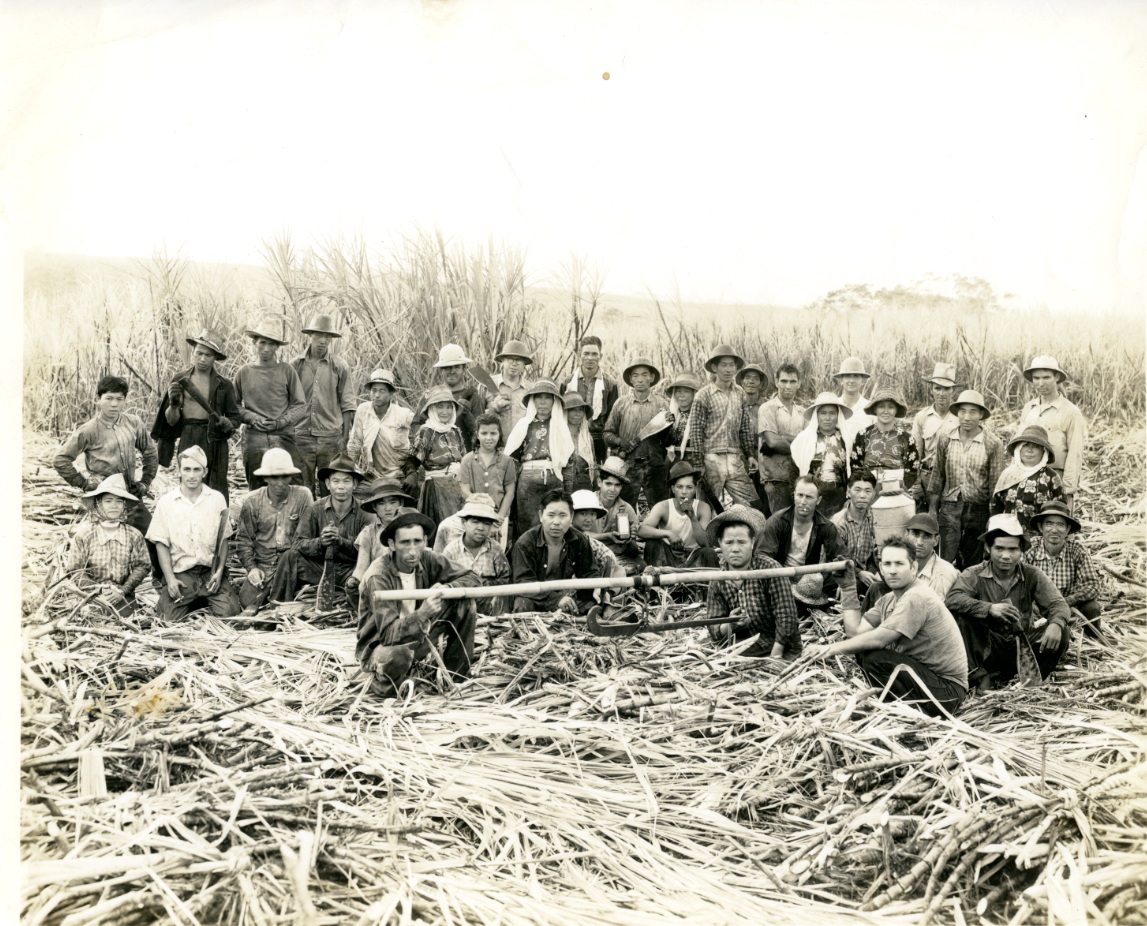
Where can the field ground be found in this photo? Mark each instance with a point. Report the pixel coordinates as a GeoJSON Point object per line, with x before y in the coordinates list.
{"type": "Point", "coordinates": [251, 779]}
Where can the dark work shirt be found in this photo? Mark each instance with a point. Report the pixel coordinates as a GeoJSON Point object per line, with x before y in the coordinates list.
{"type": "Point", "coordinates": [529, 556]}
{"type": "Point", "coordinates": [322, 513]}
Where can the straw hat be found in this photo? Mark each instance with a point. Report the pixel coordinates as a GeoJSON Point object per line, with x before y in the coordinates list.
{"type": "Point", "coordinates": [277, 462]}
{"type": "Point", "coordinates": [271, 328]}
{"type": "Point", "coordinates": [923, 522]}
{"type": "Point", "coordinates": [408, 519]}
{"type": "Point", "coordinates": [943, 375]}
{"type": "Point", "coordinates": [481, 505]}
{"type": "Point", "coordinates": [971, 397]}
{"type": "Point", "coordinates": [684, 381]}
{"type": "Point", "coordinates": [827, 398]}
{"type": "Point", "coordinates": [810, 590]}
{"type": "Point", "coordinates": [752, 368]}
{"type": "Point", "coordinates": [113, 485]}
{"type": "Point", "coordinates": [194, 452]}
{"type": "Point", "coordinates": [1044, 362]}
{"type": "Point", "coordinates": [887, 395]}
{"type": "Point", "coordinates": [573, 400]}
{"type": "Point", "coordinates": [614, 466]}
{"type": "Point", "coordinates": [1033, 434]}
{"type": "Point", "coordinates": [341, 464]}
{"type": "Point", "coordinates": [852, 366]}
{"type": "Point", "coordinates": [211, 341]}
{"type": "Point", "coordinates": [723, 350]}
{"type": "Point", "coordinates": [585, 500]}
{"type": "Point", "coordinates": [1006, 524]}
{"type": "Point", "coordinates": [680, 469]}
{"type": "Point", "coordinates": [380, 377]}
{"type": "Point", "coordinates": [321, 324]}
{"type": "Point", "coordinates": [451, 356]}
{"type": "Point", "coordinates": [641, 362]}
{"type": "Point", "coordinates": [738, 514]}
{"type": "Point", "coordinates": [514, 350]}
{"type": "Point", "coordinates": [541, 387]}
{"type": "Point", "coordinates": [439, 394]}
{"type": "Point", "coordinates": [385, 488]}
{"type": "Point", "coordinates": [1054, 506]}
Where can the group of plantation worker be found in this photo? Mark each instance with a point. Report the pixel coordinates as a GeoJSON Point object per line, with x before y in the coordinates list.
{"type": "Point", "coordinates": [543, 480]}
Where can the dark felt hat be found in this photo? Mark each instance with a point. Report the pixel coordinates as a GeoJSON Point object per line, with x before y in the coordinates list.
{"type": "Point", "coordinates": [1054, 506]}
{"type": "Point", "coordinates": [386, 488]}
{"type": "Point", "coordinates": [1033, 434]}
{"type": "Point", "coordinates": [211, 341]}
{"type": "Point", "coordinates": [341, 464]}
{"type": "Point", "coordinates": [408, 519]}
{"type": "Point", "coordinates": [321, 324]}
{"type": "Point", "coordinates": [681, 468]}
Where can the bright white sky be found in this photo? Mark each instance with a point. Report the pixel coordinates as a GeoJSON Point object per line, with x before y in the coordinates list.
{"type": "Point", "coordinates": [759, 152]}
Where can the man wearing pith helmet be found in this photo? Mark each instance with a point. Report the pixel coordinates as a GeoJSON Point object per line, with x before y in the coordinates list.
{"type": "Point", "coordinates": [323, 430]}
{"type": "Point", "coordinates": [509, 404]}
{"type": "Point", "coordinates": [1064, 422]}
{"type": "Point", "coordinates": [937, 418]}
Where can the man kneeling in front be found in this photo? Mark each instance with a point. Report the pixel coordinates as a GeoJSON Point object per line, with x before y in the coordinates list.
{"type": "Point", "coordinates": [392, 635]}
{"type": "Point", "coordinates": [909, 628]}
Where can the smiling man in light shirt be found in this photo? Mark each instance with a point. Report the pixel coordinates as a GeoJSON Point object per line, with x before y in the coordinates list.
{"type": "Point", "coordinates": [937, 417]}
{"type": "Point", "coordinates": [1064, 422]}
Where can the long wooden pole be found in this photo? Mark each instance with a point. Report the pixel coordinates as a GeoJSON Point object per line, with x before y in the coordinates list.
{"type": "Point", "coordinates": [532, 589]}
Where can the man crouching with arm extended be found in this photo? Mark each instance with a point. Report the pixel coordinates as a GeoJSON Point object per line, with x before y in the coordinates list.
{"type": "Point", "coordinates": [909, 627]}
{"type": "Point", "coordinates": [392, 635]}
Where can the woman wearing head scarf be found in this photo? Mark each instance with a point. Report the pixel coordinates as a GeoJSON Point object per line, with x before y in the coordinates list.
{"type": "Point", "coordinates": [437, 450]}
{"type": "Point", "coordinates": [541, 445]}
{"type": "Point", "coordinates": [822, 450]}
{"type": "Point", "coordinates": [1029, 479]}
{"type": "Point", "coordinates": [581, 470]}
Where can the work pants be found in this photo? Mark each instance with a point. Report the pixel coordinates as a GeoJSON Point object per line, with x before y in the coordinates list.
{"type": "Point", "coordinates": [194, 434]}
{"type": "Point", "coordinates": [992, 653]}
{"type": "Point", "coordinates": [727, 471]}
{"type": "Point", "coordinates": [405, 641]}
{"type": "Point", "coordinates": [648, 476]}
{"type": "Point", "coordinates": [1088, 613]}
{"type": "Point", "coordinates": [139, 517]}
{"type": "Point", "coordinates": [660, 552]}
{"type": "Point", "coordinates": [879, 664]}
{"type": "Point", "coordinates": [317, 453]}
{"type": "Point", "coordinates": [778, 478]}
{"type": "Point", "coordinates": [256, 443]}
{"type": "Point", "coordinates": [296, 569]}
{"type": "Point", "coordinates": [194, 595]}
{"type": "Point", "coordinates": [961, 524]}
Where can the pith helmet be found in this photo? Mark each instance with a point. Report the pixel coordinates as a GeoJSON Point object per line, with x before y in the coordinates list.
{"type": "Point", "coordinates": [277, 462]}
{"type": "Point", "coordinates": [852, 366]}
{"type": "Point", "coordinates": [971, 397]}
{"type": "Point", "coordinates": [1044, 362]}
{"type": "Point", "coordinates": [514, 349]}
{"type": "Point", "coordinates": [627, 373]}
{"type": "Point", "coordinates": [541, 387]}
{"type": "Point", "coordinates": [451, 356]}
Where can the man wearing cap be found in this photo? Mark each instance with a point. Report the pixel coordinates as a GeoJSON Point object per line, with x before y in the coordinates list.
{"type": "Point", "coordinates": [107, 553]}
{"type": "Point", "coordinates": [936, 418]}
{"type": "Point", "coordinates": [331, 524]}
{"type": "Point", "coordinates": [553, 551]}
{"type": "Point", "coordinates": [675, 529]}
{"type": "Point", "coordinates": [1064, 423]}
{"type": "Point", "coordinates": [509, 404]}
{"type": "Point", "coordinates": [192, 555]}
{"type": "Point", "coordinates": [596, 388]}
{"type": "Point", "coordinates": [111, 443]}
{"type": "Point", "coordinates": [392, 635]}
{"type": "Point", "coordinates": [619, 530]}
{"type": "Point", "coordinates": [379, 441]}
{"type": "Point", "coordinates": [269, 520]}
{"type": "Point", "coordinates": [323, 431]}
{"type": "Point", "coordinates": [645, 457]}
{"type": "Point", "coordinates": [1063, 559]}
{"type": "Point", "coordinates": [1004, 604]}
{"type": "Point", "coordinates": [802, 535]}
{"type": "Point", "coordinates": [477, 551]}
{"type": "Point", "coordinates": [470, 395]}
{"type": "Point", "coordinates": [199, 408]}
{"type": "Point", "coordinates": [851, 378]}
{"type": "Point", "coordinates": [753, 606]}
{"type": "Point", "coordinates": [908, 628]}
{"type": "Point", "coordinates": [271, 401]}
{"type": "Point", "coordinates": [779, 421]}
{"type": "Point", "coordinates": [969, 461]}
{"type": "Point", "coordinates": [721, 438]}
{"type": "Point", "coordinates": [933, 570]}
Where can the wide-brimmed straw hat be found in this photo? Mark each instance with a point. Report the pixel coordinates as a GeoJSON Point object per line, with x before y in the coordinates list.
{"type": "Point", "coordinates": [277, 462]}
{"type": "Point", "coordinates": [852, 366]}
{"type": "Point", "coordinates": [113, 485]}
{"type": "Point", "coordinates": [585, 500]}
{"type": "Point", "coordinates": [439, 394]}
{"type": "Point", "coordinates": [541, 387]}
{"type": "Point", "coordinates": [943, 375]}
{"type": "Point", "coordinates": [273, 328]}
{"type": "Point", "coordinates": [737, 514]}
{"type": "Point", "coordinates": [680, 469]}
{"type": "Point", "coordinates": [321, 324]}
{"type": "Point", "coordinates": [1007, 525]}
{"type": "Point", "coordinates": [641, 362]}
{"type": "Point", "coordinates": [380, 377]}
{"type": "Point", "coordinates": [211, 341]}
{"type": "Point", "coordinates": [887, 395]}
{"type": "Point", "coordinates": [408, 519]}
{"type": "Point", "coordinates": [451, 356]}
{"type": "Point", "coordinates": [827, 398]}
{"type": "Point", "coordinates": [723, 350]}
{"type": "Point", "coordinates": [514, 350]}
{"type": "Point", "coordinates": [1045, 362]}
{"type": "Point", "coordinates": [810, 590]}
{"type": "Point", "coordinates": [1033, 434]}
{"type": "Point", "coordinates": [614, 466]}
{"type": "Point", "coordinates": [971, 397]}
{"type": "Point", "coordinates": [386, 488]}
{"type": "Point", "coordinates": [572, 400]}
{"type": "Point", "coordinates": [480, 505]}
{"type": "Point", "coordinates": [341, 464]}
{"type": "Point", "coordinates": [1056, 507]}
{"type": "Point", "coordinates": [752, 368]}
{"type": "Point", "coordinates": [684, 381]}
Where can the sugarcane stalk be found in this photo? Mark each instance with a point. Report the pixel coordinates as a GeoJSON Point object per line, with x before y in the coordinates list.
{"type": "Point", "coordinates": [533, 589]}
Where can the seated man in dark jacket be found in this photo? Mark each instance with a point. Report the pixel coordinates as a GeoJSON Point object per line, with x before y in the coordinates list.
{"type": "Point", "coordinates": [392, 635]}
{"type": "Point", "coordinates": [1004, 604]}
{"type": "Point", "coordinates": [801, 535]}
{"type": "Point", "coordinates": [554, 551]}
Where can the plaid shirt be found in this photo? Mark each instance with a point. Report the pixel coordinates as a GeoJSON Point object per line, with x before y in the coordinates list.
{"type": "Point", "coordinates": [717, 425]}
{"type": "Point", "coordinates": [604, 562]}
{"type": "Point", "coordinates": [769, 604]}
{"type": "Point", "coordinates": [1073, 572]}
{"type": "Point", "coordinates": [489, 563]}
{"type": "Point", "coordinates": [99, 557]}
{"type": "Point", "coordinates": [967, 470]}
{"type": "Point", "coordinates": [857, 537]}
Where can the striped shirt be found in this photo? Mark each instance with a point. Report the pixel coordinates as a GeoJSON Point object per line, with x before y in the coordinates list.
{"type": "Point", "coordinates": [858, 536]}
{"type": "Point", "coordinates": [716, 422]}
{"type": "Point", "coordinates": [488, 562]}
{"type": "Point", "coordinates": [967, 470]}
{"type": "Point", "coordinates": [626, 419]}
{"type": "Point", "coordinates": [1073, 571]}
